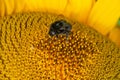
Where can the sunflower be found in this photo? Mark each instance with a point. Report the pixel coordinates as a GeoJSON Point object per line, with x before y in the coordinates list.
{"type": "Point", "coordinates": [29, 52]}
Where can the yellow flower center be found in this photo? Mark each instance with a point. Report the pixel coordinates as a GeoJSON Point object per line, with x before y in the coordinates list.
{"type": "Point", "coordinates": [27, 51]}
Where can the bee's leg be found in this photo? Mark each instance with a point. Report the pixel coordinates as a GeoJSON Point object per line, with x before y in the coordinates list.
{"type": "Point", "coordinates": [57, 35]}
{"type": "Point", "coordinates": [67, 34]}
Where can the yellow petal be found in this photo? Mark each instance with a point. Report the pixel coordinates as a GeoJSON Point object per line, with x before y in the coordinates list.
{"type": "Point", "coordinates": [78, 9]}
{"type": "Point", "coordinates": [19, 6]}
{"type": "Point", "coordinates": [6, 7]}
{"type": "Point", "coordinates": [2, 8]}
{"type": "Point", "coordinates": [56, 6]}
{"type": "Point", "coordinates": [114, 35]}
{"type": "Point", "coordinates": [104, 15]}
{"type": "Point", "coordinates": [34, 5]}
{"type": "Point", "coordinates": [9, 5]}
{"type": "Point", "coordinates": [53, 6]}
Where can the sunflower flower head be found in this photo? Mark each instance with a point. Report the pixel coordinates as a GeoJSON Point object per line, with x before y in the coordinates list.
{"type": "Point", "coordinates": [29, 52]}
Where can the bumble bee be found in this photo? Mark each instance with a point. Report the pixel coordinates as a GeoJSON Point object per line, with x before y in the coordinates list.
{"type": "Point", "coordinates": [60, 27]}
